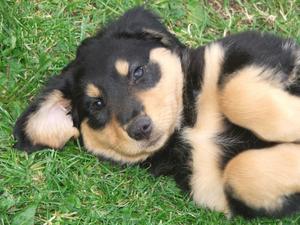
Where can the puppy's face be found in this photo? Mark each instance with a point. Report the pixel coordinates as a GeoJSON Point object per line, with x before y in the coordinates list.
{"type": "Point", "coordinates": [122, 94]}
{"type": "Point", "coordinates": [129, 97]}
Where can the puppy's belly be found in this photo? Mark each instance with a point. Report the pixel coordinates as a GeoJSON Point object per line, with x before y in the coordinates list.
{"type": "Point", "coordinates": [206, 180]}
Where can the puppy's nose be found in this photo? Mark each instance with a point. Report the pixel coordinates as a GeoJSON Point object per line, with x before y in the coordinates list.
{"type": "Point", "coordinates": [140, 128]}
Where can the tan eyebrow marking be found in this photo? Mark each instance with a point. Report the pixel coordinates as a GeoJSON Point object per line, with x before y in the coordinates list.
{"type": "Point", "coordinates": [93, 91]}
{"type": "Point", "coordinates": [122, 67]}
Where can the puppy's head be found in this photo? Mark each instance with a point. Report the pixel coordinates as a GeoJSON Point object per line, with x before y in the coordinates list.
{"type": "Point", "coordinates": [122, 93]}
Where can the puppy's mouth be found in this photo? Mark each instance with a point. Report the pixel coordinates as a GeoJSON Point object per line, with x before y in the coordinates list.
{"type": "Point", "coordinates": [153, 143]}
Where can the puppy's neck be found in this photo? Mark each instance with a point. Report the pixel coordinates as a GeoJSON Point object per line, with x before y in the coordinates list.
{"type": "Point", "coordinates": [192, 66]}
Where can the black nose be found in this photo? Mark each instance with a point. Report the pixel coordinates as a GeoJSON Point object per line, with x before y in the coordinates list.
{"type": "Point", "coordinates": [140, 128]}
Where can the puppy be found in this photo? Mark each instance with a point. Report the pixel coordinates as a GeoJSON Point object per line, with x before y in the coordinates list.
{"type": "Point", "coordinates": [221, 119]}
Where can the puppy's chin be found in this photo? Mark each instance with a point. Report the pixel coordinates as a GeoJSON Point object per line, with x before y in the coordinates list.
{"type": "Point", "coordinates": [154, 143]}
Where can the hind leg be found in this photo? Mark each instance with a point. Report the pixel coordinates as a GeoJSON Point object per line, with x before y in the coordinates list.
{"type": "Point", "coordinates": [264, 182]}
{"type": "Point", "coordinates": [255, 100]}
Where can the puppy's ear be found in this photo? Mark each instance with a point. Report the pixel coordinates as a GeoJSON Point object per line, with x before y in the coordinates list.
{"type": "Point", "coordinates": [48, 122]}
{"type": "Point", "coordinates": [140, 23]}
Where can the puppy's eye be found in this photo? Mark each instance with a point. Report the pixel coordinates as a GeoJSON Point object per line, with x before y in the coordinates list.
{"type": "Point", "coordinates": [98, 103]}
{"type": "Point", "coordinates": [138, 73]}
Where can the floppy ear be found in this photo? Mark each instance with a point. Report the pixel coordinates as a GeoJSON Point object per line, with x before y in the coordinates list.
{"type": "Point", "coordinates": [140, 23]}
{"type": "Point", "coordinates": [48, 122]}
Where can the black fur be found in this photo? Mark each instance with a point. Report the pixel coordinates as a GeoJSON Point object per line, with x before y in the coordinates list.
{"type": "Point", "coordinates": [290, 205]}
{"type": "Point", "coordinates": [235, 140]}
{"type": "Point", "coordinates": [172, 160]}
{"type": "Point", "coordinates": [294, 88]}
{"type": "Point", "coordinates": [193, 79]}
{"type": "Point", "coordinates": [257, 48]}
{"type": "Point", "coordinates": [140, 24]}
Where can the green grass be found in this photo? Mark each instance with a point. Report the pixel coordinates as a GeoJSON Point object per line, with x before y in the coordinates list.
{"type": "Point", "coordinates": [37, 38]}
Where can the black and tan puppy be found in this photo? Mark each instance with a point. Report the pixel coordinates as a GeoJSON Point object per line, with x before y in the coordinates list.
{"type": "Point", "coordinates": [222, 119]}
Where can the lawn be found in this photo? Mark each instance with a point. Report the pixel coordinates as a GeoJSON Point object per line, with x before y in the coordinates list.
{"type": "Point", "coordinates": [37, 38]}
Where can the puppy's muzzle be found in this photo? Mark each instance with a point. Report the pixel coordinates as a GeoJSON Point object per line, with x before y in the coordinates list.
{"type": "Point", "coordinates": [140, 128]}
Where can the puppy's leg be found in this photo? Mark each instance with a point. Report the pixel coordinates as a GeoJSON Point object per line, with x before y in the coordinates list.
{"type": "Point", "coordinates": [48, 120]}
{"type": "Point", "coordinates": [256, 98]}
{"type": "Point", "coordinates": [264, 182]}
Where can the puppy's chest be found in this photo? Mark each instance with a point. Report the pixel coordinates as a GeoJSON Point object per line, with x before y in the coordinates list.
{"type": "Point", "coordinates": [213, 138]}
{"type": "Point", "coordinates": [206, 178]}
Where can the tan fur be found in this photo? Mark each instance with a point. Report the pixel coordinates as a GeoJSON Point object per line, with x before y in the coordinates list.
{"type": "Point", "coordinates": [122, 67]}
{"type": "Point", "coordinates": [206, 180]}
{"type": "Point", "coordinates": [93, 91]}
{"type": "Point", "coordinates": [111, 142]}
{"type": "Point", "coordinates": [163, 104]}
{"type": "Point", "coordinates": [252, 101]}
{"type": "Point", "coordinates": [50, 125]}
{"type": "Point", "coordinates": [262, 178]}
